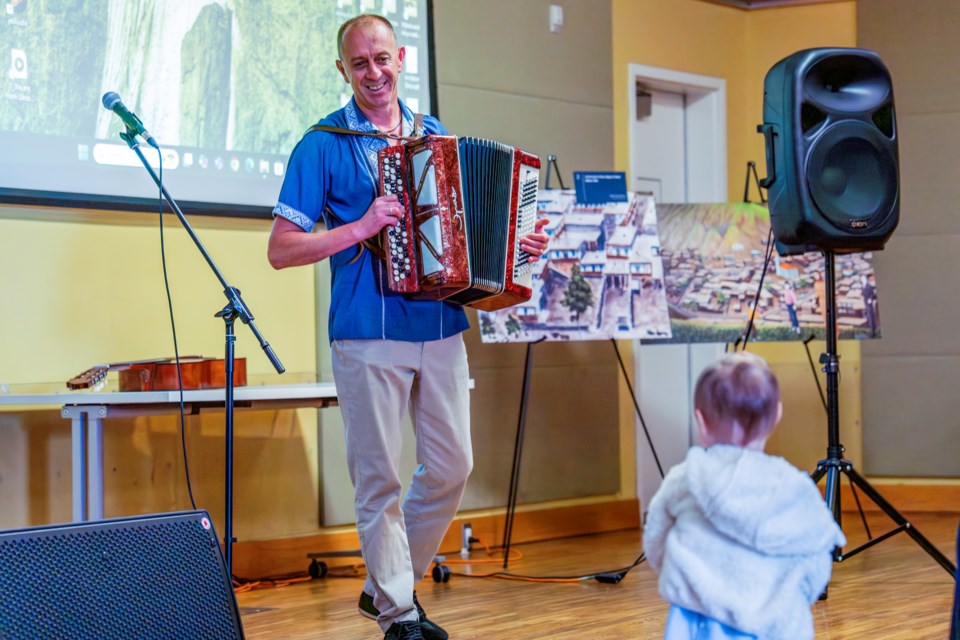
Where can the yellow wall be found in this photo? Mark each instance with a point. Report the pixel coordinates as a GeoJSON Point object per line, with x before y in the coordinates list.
{"type": "Point", "coordinates": [740, 46]}
{"type": "Point", "coordinates": [714, 40]}
{"type": "Point", "coordinates": [78, 292]}
{"type": "Point", "coordinates": [86, 287]}
{"type": "Point", "coordinates": [681, 35]}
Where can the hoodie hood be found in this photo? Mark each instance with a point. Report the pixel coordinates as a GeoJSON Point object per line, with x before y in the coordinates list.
{"type": "Point", "coordinates": [760, 501]}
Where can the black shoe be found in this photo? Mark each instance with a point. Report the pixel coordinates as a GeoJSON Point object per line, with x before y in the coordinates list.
{"type": "Point", "coordinates": [365, 606]}
{"type": "Point", "coordinates": [431, 631]}
{"type": "Point", "coordinates": [404, 631]}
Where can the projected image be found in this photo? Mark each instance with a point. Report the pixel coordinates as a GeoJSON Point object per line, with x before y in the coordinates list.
{"type": "Point", "coordinates": [601, 278]}
{"type": "Point", "coordinates": [713, 257]}
{"type": "Point", "coordinates": [226, 88]}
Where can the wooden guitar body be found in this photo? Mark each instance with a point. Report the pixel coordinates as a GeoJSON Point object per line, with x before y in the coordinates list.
{"type": "Point", "coordinates": [197, 372]}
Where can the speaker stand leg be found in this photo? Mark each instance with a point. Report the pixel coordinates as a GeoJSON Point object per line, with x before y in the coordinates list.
{"type": "Point", "coordinates": [834, 465]}
{"type": "Point", "coordinates": [902, 523]}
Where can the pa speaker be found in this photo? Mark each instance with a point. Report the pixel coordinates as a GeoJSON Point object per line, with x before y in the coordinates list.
{"type": "Point", "coordinates": [831, 147]}
{"type": "Point", "coordinates": [157, 576]}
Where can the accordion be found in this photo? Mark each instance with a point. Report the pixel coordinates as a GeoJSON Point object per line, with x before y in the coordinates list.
{"type": "Point", "coordinates": [466, 204]}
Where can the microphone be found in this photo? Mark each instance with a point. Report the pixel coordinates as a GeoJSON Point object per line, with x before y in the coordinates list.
{"type": "Point", "coordinates": [111, 101]}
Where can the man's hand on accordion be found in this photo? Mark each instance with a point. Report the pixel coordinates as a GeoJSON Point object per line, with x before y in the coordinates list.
{"type": "Point", "coordinates": [536, 243]}
{"type": "Point", "coordinates": [385, 211]}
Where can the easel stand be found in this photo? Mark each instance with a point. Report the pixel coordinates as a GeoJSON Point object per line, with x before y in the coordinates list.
{"type": "Point", "coordinates": [235, 309]}
{"type": "Point", "coordinates": [835, 463]}
{"type": "Point", "coordinates": [517, 454]}
{"type": "Point", "coordinates": [521, 429]}
{"type": "Point", "coordinates": [524, 397]}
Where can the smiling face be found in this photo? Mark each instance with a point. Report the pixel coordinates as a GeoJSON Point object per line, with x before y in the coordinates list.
{"type": "Point", "coordinates": [371, 61]}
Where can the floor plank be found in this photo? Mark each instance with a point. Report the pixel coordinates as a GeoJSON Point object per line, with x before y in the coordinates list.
{"type": "Point", "coordinates": [892, 590]}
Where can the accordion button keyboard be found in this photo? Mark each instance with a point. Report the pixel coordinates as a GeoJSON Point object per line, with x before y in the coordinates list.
{"type": "Point", "coordinates": [399, 244]}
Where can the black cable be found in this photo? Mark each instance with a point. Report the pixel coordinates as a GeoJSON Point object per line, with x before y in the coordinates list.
{"type": "Point", "coordinates": [813, 370]}
{"type": "Point", "coordinates": [756, 297]}
{"type": "Point", "coordinates": [176, 349]}
{"type": "Point", "coordinates": [609, 577]}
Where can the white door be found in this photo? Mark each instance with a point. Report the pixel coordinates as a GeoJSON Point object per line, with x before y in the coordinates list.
{"type": "Point", "coordinates": [687, 113]}
{"type": "Point", "coordinates": [658, 161]}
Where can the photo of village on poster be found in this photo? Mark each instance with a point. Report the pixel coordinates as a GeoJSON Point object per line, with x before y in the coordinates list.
{"type": "Point", "coordinates": [678, 273]}
{"type": "Point", "coordinates": [713, 260]}
{"type": "Point", "coordinates": [601, 278]}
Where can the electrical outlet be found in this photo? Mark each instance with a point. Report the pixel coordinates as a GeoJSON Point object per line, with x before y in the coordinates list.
{"type": "Point", "coordinates": [556, 18]}
{"type": "Point", "coordinates": [466, 535]}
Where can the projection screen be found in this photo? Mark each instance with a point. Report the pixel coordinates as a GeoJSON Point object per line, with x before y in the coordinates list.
{"type": "Point", "coordinates": [226, 87]}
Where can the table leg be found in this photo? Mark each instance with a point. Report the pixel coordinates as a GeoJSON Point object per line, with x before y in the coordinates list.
{"type": "Point", "coordinates": [87, 462]}
{"type": "Point", "coordinates": [95, 465]}
{"type": "Point", "coordinates": [78, 465]}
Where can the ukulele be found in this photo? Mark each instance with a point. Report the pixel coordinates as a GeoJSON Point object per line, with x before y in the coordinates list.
{"type": "Point", "coordinates": [160, 374]}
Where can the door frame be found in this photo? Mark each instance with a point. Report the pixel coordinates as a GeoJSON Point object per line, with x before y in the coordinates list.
{"type": "Point", "coordinates": [705, 126]}
{"type": "Point", "coordinates": [665, 374]}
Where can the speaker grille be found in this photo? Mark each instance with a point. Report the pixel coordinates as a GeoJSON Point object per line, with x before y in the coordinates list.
{"type": "Point", "coordinates": [852, 177]}
{"type": "Point", "coordinates": [149, 577]}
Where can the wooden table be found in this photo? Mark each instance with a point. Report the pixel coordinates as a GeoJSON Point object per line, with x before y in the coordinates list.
{"type": "Point", "coordinates": [87, 409]}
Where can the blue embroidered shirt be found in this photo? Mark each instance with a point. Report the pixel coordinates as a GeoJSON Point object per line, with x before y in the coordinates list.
{"type": "Point", "coordinates": [339, 172]}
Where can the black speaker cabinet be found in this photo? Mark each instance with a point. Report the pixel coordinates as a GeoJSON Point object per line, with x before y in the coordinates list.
{"type": "Point", "coordinates": [155, 576]}
{"type": "Point", "coordinates": [831, 144]}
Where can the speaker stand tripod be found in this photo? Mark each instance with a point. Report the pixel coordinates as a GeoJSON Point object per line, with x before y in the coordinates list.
{"type": "Point", "coordinates": [835, 464]}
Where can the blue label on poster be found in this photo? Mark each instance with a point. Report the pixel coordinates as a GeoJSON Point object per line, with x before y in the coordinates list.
{"type": "Point", "coordinates": [600, 187]}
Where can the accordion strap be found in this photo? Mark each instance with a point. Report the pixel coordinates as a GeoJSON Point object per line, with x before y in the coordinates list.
{"type": "Point", "coordinates": [373, 243]}
{"type": "Point", "coordinates": [417, 130]}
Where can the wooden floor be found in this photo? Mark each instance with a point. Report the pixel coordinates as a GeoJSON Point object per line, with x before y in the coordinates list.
{"type": "Point", "coordinates": [892, 590]}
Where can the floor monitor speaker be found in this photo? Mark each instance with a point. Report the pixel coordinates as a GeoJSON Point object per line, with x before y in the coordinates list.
{"type": "Point", "coordinates": [153, 576]}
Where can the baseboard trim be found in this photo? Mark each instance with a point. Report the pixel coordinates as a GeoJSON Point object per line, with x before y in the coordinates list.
{"type": "Point", "coordinates": [262, 558]}
{"type": "Point", "coordinates": [904, 495]}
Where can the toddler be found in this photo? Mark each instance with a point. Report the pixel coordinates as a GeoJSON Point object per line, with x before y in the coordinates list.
{"type": "Point", "coordinates": [742, 540]}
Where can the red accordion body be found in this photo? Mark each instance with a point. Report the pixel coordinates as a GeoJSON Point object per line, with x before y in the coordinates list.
{"type": "Point", "coordinates": [466, 204]}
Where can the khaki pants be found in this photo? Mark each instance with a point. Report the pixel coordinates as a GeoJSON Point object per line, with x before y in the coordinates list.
{"type": "Point", "coordinates": [377, 380]}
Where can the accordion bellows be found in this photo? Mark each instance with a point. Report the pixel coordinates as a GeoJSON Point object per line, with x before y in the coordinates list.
{"type": "Point", "coordinates": [466, 204]}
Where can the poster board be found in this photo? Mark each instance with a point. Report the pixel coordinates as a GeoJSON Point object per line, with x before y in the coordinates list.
{"type": "Point", "coordinates": [713, 258]}
{"type": "Point", "coordinates": [601, 278]}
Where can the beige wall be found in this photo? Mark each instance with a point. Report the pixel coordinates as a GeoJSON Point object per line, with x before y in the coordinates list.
{"type": "Point", "coordinates": [910, 377]}
{"type": "Point", "coordinates": [502, 74]}
{"type": "Point", "coordinates": [85, 287]}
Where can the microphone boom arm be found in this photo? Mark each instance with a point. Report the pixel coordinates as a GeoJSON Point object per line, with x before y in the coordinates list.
{"type": "Point", "coordinates": [235, 301]}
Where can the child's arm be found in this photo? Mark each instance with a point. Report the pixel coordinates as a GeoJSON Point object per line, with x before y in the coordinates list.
{"type": "Point", "coordinates": [660, 517]}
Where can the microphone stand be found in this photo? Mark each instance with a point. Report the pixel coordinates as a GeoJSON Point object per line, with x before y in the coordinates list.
{"type": "Point", "coordinates": [235, 308]}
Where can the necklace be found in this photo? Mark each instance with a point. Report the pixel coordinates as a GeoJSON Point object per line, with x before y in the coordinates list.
{"type": "Point", "coordinates": [394, 128]}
